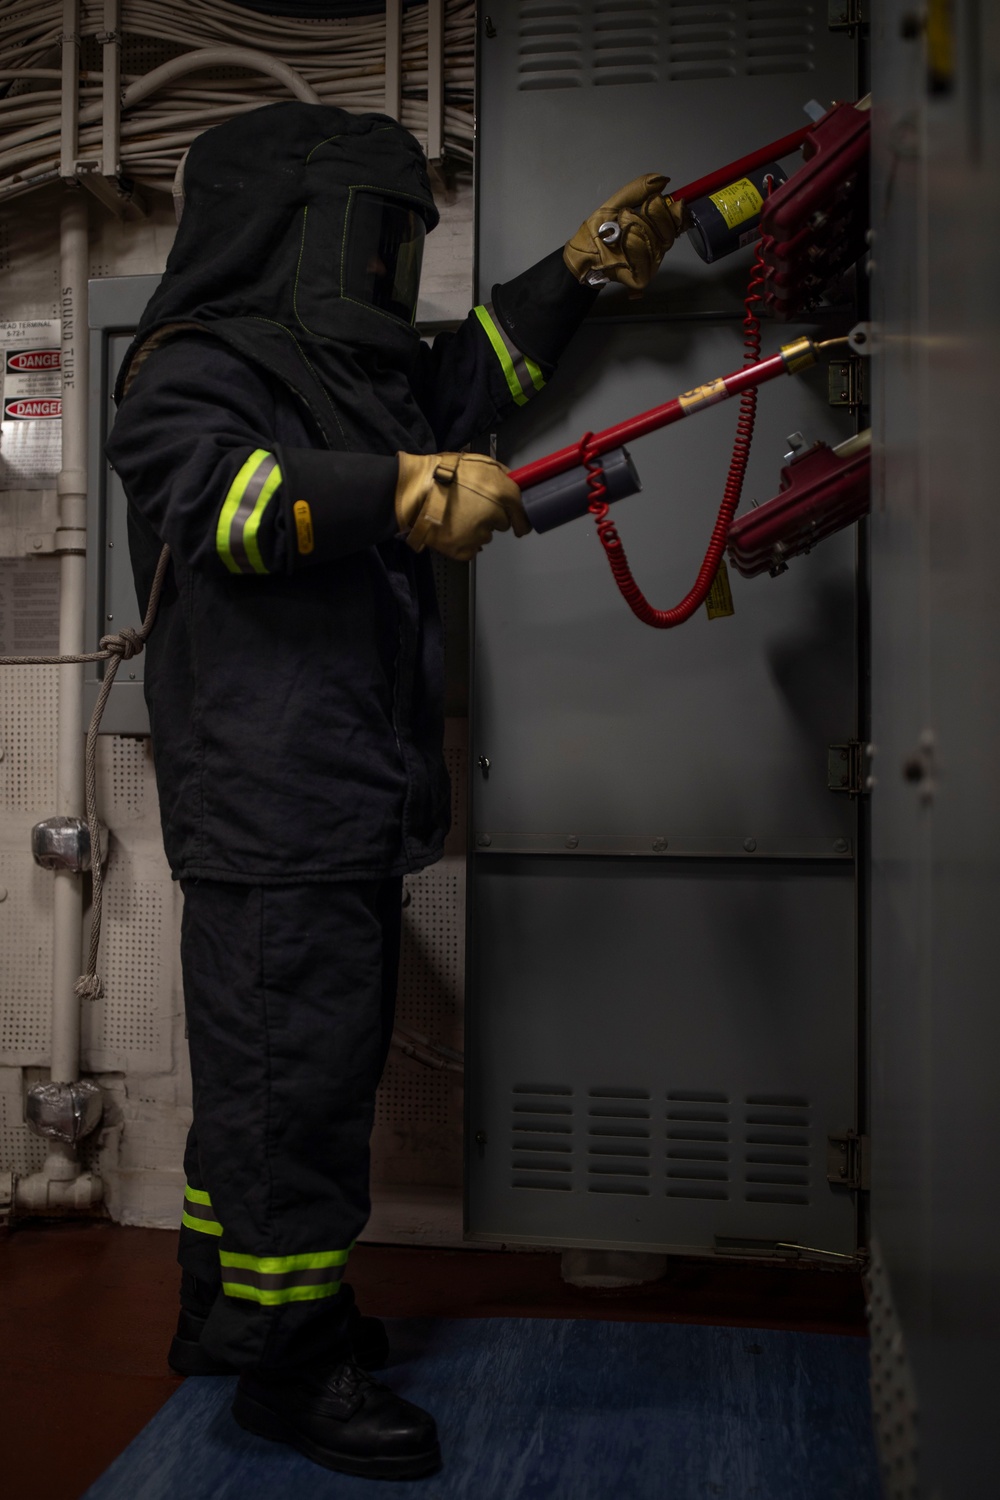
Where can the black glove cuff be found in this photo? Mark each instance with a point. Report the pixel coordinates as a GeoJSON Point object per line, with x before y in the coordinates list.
{"type": "Point", "coordinates": [334, 504]}
{"type": "Point", "coordinates": [542, 308]}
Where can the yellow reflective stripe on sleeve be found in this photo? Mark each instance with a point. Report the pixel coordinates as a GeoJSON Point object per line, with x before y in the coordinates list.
{"type": "Point", "coordinates": [252, 525]}
{"type": "Point", "coordinates": [502, 353]}
{"type": "Point", "coordinates": [196, 1195]}
{"type": "Point", "coordinates": [242, 510]}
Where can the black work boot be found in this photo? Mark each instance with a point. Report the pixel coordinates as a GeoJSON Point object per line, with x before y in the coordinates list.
{"type": "Point", "coordinates": [340, 1418]}
{"type": "Point", "coordinates": [368, 1341]}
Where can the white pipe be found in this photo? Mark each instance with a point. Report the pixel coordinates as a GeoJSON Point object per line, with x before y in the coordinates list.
{"type": "Point", "coordinates": [213, 57]}
{"type": "Point", "coordinates": [40, 1191]}
{"type": "Point", "coordinates": [61, 1165]}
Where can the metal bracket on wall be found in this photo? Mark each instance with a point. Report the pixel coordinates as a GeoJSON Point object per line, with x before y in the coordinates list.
{"type": "Point", "coordinates": [846, 382]}
{"type": "Point", "coordinates": [848, 1161]}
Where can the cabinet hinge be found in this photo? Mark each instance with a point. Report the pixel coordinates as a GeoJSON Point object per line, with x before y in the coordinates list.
{"type": "Point", "coordinates": [846, 382]}
{"type": "Point", "coordinates": [847, 768]}
{"type": "Point", "coordinates": [847, 1160]}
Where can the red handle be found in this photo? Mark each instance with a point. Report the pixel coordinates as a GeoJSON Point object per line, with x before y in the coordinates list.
{"type": "Point", "coordinates": [649, 421]}
{"type": "Point", "coordinates": [736, 169]}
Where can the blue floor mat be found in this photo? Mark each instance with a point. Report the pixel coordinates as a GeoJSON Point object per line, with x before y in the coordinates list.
{"type": "Point", "coordinates": [539, 1409]}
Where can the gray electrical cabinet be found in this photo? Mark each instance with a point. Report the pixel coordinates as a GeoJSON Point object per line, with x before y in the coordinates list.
{"type": "Point", "coordinates": [663, 1013]}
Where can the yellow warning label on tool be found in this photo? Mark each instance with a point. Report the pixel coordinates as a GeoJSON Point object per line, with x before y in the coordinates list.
{"type": "Point", "coordinates": [737, 202]}
{"type": "Point", "coordinates": [719, 601]}
{"type": "Point", "coordinates": [303, 526]}
{"type": "Point", "coordinates": [703, 395]}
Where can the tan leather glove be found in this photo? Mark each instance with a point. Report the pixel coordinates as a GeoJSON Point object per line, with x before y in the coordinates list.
{"type": "Point", "coordinates": [639, 225]}
{"type": "Point", "coordinates": [453, 502]}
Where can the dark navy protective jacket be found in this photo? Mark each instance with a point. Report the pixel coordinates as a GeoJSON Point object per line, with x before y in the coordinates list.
{"type": "Point", "coordinates": [294, 673]}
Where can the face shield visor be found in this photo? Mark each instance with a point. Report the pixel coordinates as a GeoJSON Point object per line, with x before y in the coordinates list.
{"type": "Point", "coordinates": [385, 247]}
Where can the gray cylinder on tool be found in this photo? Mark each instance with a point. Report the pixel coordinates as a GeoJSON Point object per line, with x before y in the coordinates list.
{"type": "Point", "coordinates": [556, 501]}
{"type": "Point", "coordinates": [727, 220]}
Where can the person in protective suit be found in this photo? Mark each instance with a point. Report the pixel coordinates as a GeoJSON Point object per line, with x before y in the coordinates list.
{"type": "Point", "coordinates": [284, 430]}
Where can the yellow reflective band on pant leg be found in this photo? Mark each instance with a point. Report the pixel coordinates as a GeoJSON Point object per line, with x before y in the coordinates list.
{"type": "Point", "coordinates": [273, 1279]}
{"type": "Point", "coordinates": [278, 1265]}
{"type": "Point", "coordinates": [500, 350]}
{"type": "Point", "coordinates": [275, 1296]}
{"type": "Point", "coordinates": [203, 1226]}
{"type": "Point", "coordinates": [198, 1213]}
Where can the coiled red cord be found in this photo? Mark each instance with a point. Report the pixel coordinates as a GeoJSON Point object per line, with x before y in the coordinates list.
{"type": "Point", "coordinates": [665, 619]}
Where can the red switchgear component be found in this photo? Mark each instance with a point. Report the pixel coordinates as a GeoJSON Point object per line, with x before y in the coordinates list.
{"type": "Point", "coordinates": [813, 227]}
{"type": "Point", "coordinates": [822, 490]}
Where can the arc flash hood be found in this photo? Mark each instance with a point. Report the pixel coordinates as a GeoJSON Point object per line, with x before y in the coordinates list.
{"type": "Point", "coordinates": [300, 247]}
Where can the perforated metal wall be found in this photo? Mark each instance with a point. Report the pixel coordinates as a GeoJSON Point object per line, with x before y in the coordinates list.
{"type": "Point", "coordinates": [27, 793]}
{"type": "Point", "coordinates": [27, 739]}
{"type": "Point", "coordinates": [20, 1150]}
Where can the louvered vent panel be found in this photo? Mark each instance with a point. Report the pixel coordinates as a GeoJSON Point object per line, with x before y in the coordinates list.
{"type": "Point", "coordinates": [573, 43]}
{"type": "Point", "coordinates": [626, 39]}
{"type": "Point", "coordinates": [542, 1136]}
{"type": "Point", "coordinates": [707, 39]}
{"type": "Point", "coordinates": [550, 45]}
{"type": "Point", "coordinates": [777, 1151]}
{"type": "Point", "coordinates": [697, 1145]}
{"type": "Point", "coordinates": [780, 36]}
{"type": "Point", "coordinates": [618, 1153]}
{"type": "Point", "coordinates": [702, 39]}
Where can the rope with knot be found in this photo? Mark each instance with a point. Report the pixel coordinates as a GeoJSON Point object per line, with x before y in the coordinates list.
{"type": "Point", "coordinates": [114, 649]}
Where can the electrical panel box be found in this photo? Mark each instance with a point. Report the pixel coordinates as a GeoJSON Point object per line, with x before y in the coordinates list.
{"type": "Point", "coordinates": [663, 965]}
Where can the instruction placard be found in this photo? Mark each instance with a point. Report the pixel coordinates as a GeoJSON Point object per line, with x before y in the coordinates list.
{"type": "Point", "coordinates": [29, 606]}
{"type": "Point", "coordinates": [31, 430]}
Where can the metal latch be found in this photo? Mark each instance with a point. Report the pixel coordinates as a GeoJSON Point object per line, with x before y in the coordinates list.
{"type": "Point", "coordinates": [848, 1160]}
{"type": "Point", "coordinates": [846, 379]}
{"type": "Point", "coordinates": [847, 768]}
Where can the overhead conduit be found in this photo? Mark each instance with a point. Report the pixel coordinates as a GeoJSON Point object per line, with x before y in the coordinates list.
{"type": "Point", "coordinates": [378, 62]}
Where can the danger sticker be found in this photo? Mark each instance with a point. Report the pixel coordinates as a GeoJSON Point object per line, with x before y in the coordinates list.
{"type": "Point", "coordinates": [31, 361]}
{"type": "Point", "coordinates": [32, 408]}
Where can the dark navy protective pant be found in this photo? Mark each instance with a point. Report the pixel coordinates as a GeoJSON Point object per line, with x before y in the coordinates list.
{"type": "Point", "coordinates": [290, 993]}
